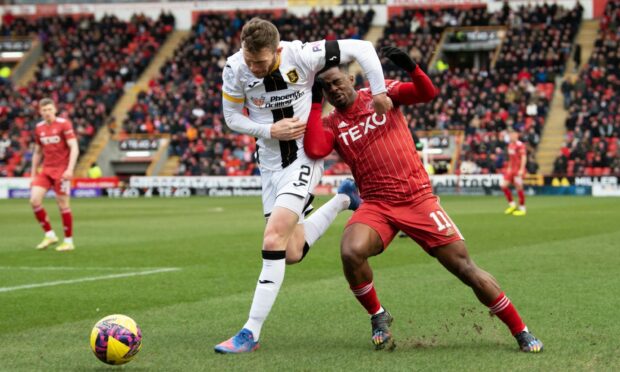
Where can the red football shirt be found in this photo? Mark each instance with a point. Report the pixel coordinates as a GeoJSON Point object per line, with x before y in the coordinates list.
{"type": "Point", "coordinates": [53, 141]}
{"type": "Point", "coordinates": [379, 150]}
{"type": "Point", "coordinates": [516, 151]}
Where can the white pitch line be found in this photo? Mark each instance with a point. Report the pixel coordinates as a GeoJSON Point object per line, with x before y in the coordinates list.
{"type": "Point", "coordinates": [73, 268]}
{"type": "Point", "coordinates": [87, 279]}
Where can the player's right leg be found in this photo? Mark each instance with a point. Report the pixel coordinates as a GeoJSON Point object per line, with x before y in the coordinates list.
{"type": "Point", "coordinates": [39, 187]}
{"type": "Point", "coordinates": [359, 242]}
{"type": "Point", "coordinates": [455, 258]}
{"type": "Point", "coordinates": [280, 227]}
{"type": "Point", "coordinates": [283, 205]}
{"type": "Point", "coordinates": [428, 224]}
{"type": "Point", "coordinates": [62, 198]}
{"type": "Point", "coordinates": [512, 206]}
{"type": "Point", "coordinates": [518, 182]}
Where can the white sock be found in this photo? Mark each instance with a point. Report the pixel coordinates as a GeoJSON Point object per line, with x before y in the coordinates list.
{"type": "Point", "coordinates": [522, 207]}
{"type": "Point", "coordinates": [512, 204]}
{"type": "Point", "coordinates": [316, 225]}
{"type": "Point", "coordinates": [50, 234]}
{"type": "Point", "coordinates": [381, 309]}
{"type": "Point", "coordinates": [69, 240]}
{"type": "Point", "coordinates": [267, 288]}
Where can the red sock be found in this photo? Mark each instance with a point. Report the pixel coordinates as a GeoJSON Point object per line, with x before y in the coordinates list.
{"type": "Point", "coordinates": [41, 215]}
{"type": "Point", "coordinates": [508, 194]}
{"type": "Point", "coordinates": [67, 222]}
{"type": "Point", "coordinates": [367, 296]}
{"type": "Point", "coordinates": [521, 197]}
{"type": "Point", "coordinates": [505, 310]}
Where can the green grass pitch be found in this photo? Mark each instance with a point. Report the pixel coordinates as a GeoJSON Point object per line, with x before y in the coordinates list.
{"type": "Point", "coordinates": [559, 265]}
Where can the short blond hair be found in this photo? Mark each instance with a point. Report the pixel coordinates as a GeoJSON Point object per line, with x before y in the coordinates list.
{"type": "Point", "coordinates": [258, 34]}
{"type": "Point", "coordinates": [47, 101]}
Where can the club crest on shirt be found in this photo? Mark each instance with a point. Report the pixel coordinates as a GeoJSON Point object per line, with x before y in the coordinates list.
{"type": "Point", "coordinates": [258, 101]}
{"type": "Point", "coordinates": [292, 76]}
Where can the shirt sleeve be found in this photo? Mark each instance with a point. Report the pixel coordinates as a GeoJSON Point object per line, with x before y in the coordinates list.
{"type": "Point", "coordinates": [318, 140]}
{"type": "Point", "coordinates": [237, 121]}
{"type": "Point", "coordinates": [233, 99]}
{"type": "Point", "coordinates": [231, 89]}
{"type": "Point", "coordinates": [67, 130]}
{"type": "Point", "coordinates": [364, 53]}
{"type": "Point", "coordinates": [419, 90]}
{"type": "Point", "coordinates": [320, 55]}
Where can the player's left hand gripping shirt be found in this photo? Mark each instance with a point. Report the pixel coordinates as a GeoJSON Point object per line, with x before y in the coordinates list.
{"type": "Point", "coordinates": [53, 141]}
{"type": "Point", "coordinates": [285, 93]}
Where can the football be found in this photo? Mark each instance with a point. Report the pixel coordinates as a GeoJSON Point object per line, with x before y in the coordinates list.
{"type": "Point", "coordinates": [116, 339]}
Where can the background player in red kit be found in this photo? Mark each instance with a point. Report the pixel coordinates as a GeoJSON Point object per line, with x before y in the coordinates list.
{"type": "Point", "coordinates": [397, 194]}
{"type": "Point", "coordinates": [514, 173]}
{"type": "Point", "coordinates": [56, 142]}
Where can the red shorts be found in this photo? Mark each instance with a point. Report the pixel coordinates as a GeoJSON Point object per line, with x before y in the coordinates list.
{"type": "Point", "coordinates": [423, 220]}
{"type": "Point", "coordinates": [51, 178]}
{"type": "Point", "coordinates": [514, 178]}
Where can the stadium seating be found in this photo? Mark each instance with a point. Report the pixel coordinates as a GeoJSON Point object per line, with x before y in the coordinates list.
{"type": "Point", "coordinates": [593, 123]}
{"type": "Point", "coordinates": [483, 103]}
{"type": "Point", "coordinates": [185, 101]}
{"type": "Point", "coordinates": [85, 67]}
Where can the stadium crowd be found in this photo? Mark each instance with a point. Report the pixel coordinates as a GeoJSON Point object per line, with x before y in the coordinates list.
{"type": "Point", "coordinates": [85, 67]}
{"type": "Point", "coordinates": [484, 102]}
{"type": "Point", "coordinates": [593, 101]}
{"type": "Point", "coordinates": [86, 77]}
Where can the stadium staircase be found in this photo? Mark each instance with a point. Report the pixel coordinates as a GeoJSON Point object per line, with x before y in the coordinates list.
{"type": "Point", "coordinates": [555, 130]}
{"type": "Point", "coordinates": [127, 101]}
{"type": "Point", "coordinates": [25, 70]}
{"type": "Point", "coordinates": [170, 167]}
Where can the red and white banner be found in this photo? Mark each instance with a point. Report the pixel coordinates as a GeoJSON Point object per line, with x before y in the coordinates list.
{"type": "Point", "coordinates": [95, 183]}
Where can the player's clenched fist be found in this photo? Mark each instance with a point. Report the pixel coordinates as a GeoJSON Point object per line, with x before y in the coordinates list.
{"type": "Point", "coordinates": [288, 129]}
{"type": "Point", "coordinates": [67, 174]}
{"type": "Point", "coordinates": [382, 103]}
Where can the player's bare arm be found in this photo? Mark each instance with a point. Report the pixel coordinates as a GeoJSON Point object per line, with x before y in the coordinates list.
{"type": "Point", "coordinates": [73, 155]}
{"type": "Point", "coordinates": [382, 103]}
{"type": "Point", "coordinates": [36, 160]}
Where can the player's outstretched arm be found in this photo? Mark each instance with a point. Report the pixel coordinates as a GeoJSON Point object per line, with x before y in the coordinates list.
{"type": "Point", "coordinates": [420, 90]}
{"type": "Point", "coordinates": [318, 141]}
{"type": "Point", "coordinates": [365, 54]}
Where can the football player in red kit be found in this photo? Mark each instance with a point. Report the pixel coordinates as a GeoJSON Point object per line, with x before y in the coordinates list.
{"type": "Point", "coordinates": [56, 143]}
{"type": "Point", "coordinates": [513, 174]}
{"type": "Point", "coordinates": [397, 193]}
